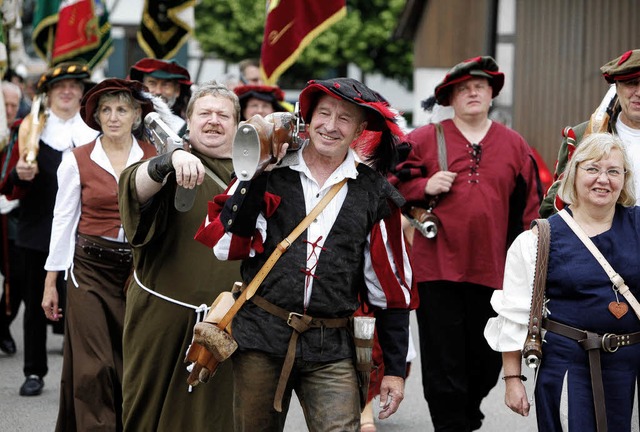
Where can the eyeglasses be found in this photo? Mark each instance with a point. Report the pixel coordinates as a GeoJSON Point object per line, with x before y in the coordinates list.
{"type": "Point", "coordinates": [612, 173]}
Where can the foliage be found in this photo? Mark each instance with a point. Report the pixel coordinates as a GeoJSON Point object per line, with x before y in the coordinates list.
{"type": "Point", "coordinates": [233, 30]}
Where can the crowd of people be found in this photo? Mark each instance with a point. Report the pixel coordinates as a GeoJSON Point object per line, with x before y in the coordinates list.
{"type": "Point", "coordinates": [123, 242]}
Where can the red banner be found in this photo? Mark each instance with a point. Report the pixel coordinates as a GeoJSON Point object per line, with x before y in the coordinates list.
{"type": "Point", "coordinates": [290, 26]}
{"type": "Point", "coordinates": [72, 29]}
{"type": "Point", "coordinates": [77, 29]}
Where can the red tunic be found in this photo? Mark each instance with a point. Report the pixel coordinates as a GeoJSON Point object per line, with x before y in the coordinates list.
{"type": "Point", "coordinates": [494, 197]}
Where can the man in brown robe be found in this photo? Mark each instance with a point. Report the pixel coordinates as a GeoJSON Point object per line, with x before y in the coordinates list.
{"type": "Point", "coordinates": [175, 276]}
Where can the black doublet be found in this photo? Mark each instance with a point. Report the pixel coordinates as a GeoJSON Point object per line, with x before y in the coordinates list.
{"type": "Point", "coordinates": [338, 275]}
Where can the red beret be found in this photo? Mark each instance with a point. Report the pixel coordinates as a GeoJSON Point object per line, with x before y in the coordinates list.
{"type": "Point", "coordinates": [484, 66]}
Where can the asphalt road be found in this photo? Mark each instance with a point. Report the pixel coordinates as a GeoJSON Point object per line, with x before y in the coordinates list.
{"type": "Point", "coordinates": [18, 414]}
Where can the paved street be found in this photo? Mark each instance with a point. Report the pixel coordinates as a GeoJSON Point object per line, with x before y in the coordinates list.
{"type": "Point", "coordinates": [22, 414]}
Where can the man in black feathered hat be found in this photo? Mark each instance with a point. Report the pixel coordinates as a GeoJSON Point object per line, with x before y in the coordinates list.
{"type": "Point", "coordinates": [479, 179]}
{"type": "Point", "coordinates": [294, 335]}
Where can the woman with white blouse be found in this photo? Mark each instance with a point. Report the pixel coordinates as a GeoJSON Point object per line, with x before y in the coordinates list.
{"type": "Point", "coordinates": [88, 241]}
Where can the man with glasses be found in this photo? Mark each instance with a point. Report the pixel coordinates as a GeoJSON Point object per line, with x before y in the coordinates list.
{"type": "Point", "coordinates": [619, 114]}
{"type": "Point", "coordinates": [484, 194]}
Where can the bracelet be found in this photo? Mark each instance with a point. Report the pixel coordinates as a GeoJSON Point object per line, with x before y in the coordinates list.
{"type": "Point", "coordinates": [522, 377]}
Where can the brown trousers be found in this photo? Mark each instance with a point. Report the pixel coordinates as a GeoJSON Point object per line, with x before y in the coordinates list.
{"type": "Point", "coordinates": [91, 384]}
{"type": "Point", "coordinates": [328, 393]}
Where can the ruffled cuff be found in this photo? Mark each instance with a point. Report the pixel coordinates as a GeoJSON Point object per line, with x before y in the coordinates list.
{"type": "Point", "coordinates": [504, 335]}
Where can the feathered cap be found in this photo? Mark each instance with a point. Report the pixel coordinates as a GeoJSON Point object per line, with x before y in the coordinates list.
{"type": "Point", "coordinates": [624, 68]}
{"type": "Point", "coordinates": [382, 134]}
{"type": "Point", "coordinates": [484, 67]}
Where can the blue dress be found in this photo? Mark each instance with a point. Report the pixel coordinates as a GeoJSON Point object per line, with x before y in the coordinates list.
{"type": "Point", "coordinates": [579, 292]}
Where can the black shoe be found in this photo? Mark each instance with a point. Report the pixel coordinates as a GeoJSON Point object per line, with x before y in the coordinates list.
{"type": "Point", "coordinates": [32, 386]}
{"type": "Point", "coordinates": [7, 345]}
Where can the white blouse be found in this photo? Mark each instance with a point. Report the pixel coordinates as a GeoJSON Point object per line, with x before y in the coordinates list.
{"type": "Point", "coordinates": [66, 213]}
{"type": "Point", "coordinates": [508, 331]}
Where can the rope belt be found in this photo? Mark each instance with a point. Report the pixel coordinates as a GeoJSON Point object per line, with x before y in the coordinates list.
{"type": "Point", "coordinates": [300, 324]}
{"type": "Point", "coordinates": [593, 343]}
{"type": "Point", "coordinates": [201, 311]}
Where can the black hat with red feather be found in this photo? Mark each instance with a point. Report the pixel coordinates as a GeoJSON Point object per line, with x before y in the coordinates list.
{"type": "Point", "coordinates": [382, 134]}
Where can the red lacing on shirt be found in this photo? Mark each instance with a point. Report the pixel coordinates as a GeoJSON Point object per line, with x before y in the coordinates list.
{"type": "Point", "coordinates": [308, 271]}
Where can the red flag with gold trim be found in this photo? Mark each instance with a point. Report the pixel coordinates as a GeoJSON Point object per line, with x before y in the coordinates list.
{"type": "Point", "coordinates": [290, 26]}
{"type": "Point", "coordinates": [72, 29]}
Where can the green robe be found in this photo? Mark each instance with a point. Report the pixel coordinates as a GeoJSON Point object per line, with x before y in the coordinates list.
{"type": "Point", "coordinates": [157, 333]}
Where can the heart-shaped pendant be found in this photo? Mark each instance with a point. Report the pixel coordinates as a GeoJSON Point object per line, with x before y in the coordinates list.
{"type": "Point", "coordinates": [618, 309]}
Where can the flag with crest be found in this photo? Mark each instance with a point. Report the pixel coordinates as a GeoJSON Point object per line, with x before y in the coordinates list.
{"type": "Point", "coordinates": [72, 29]}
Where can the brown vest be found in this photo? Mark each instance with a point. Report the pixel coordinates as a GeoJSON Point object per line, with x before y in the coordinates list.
{"type": "Point", "coordinates": [99, 215]}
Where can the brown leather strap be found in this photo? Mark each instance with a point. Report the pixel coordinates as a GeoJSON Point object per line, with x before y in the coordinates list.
{"type": "Point", "coordinates": [442, 147]}
{"type": "Point", "coordinates": [532, 350]}
{"type": "Point", "coordinates": [597, 388]}
{"type": "Point", "coordinates": [593, 343]}
{"type": "Point", "coordinates": [282, 247]}
{"type": "Point", "coordinates": [300, 324]}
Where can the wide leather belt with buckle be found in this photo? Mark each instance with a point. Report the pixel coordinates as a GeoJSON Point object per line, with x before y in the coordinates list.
{"type": "Point", "coordinates": [607, 342]}
{"type": "Point", "coordinates": [117, 255]}
{"type": "Point", "coordinates": [593, 343]}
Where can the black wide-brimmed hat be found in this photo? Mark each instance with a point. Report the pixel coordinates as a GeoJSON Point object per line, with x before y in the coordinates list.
{"type": "Point", "coordinates": [482, 66]}
{"type": "Point", "coordinates": [136, 89]}
{"type": "Point", "coordinates": [624, 68]}
{"type": "Point", "coordinates": [66, 70]}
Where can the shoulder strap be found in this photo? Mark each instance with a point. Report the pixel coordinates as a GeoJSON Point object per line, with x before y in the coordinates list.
{"type": "Point", "coordinates": [532, 351]}
{"type": "Point", "coordinates": [615, 278]}
{"type": "Point", "coordinates": [215, 178]}
{"type": "Point", "coordinates": [282, 247]}
{"type": "Point", "coordinates": [442, 147]}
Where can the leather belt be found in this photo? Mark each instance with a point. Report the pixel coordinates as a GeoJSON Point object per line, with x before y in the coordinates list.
{"type": "Point", "coordinates": [300, 324]}
{"type": "Point", "coordinates": [593, 343]}
{"type": "Point", "coordinates": [117, 255]}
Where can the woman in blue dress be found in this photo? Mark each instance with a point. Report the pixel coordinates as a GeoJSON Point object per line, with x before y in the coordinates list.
{"type": "Point", "coordinates": [598, 188]}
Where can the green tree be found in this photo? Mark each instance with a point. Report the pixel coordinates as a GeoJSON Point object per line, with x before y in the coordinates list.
{"type": "Point", "coordinates": [233, 30]}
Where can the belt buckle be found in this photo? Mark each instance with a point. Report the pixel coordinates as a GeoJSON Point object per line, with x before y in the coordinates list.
{"type": "Point", "coordinates": [606, 342]}
{"type": "Point", "coordinates": [291, 315]}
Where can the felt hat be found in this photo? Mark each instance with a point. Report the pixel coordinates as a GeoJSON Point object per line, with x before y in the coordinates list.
{"type": "Point", "coordinates": [382, 133]}
{"type": "Point", "coordinates": [66, 70]}
{"type": "Point", "coordinates": [111, 86]}
{"type": "Point", "coordinates": [161, 69]}
{"type": "Point", "coordinates": [624, 68]}
{"type": "Point", "coordinates": [272, 94]}
{"type": "Point", "coordinates": [379, 116]}
{"type": "Point", "coordinates": [482, 66]}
